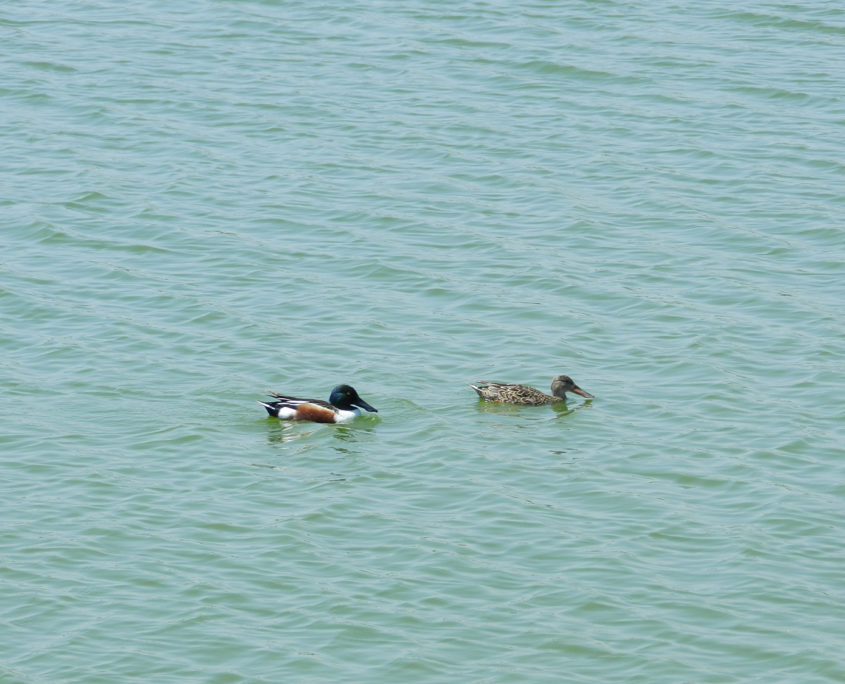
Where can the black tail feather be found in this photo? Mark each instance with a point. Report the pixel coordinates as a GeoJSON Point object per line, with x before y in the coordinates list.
{"type": "Point", "coordinates": [271, 409]}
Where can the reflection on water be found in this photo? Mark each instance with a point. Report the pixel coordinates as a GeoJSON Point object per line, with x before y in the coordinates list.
{"type": "Point", "coordinates": [354, 431]}
{"type": "Point", "coordinates": [495, 407]}
{"type": "Point", "coordinates": [284, 431]}
{"type": "Point", "coordinates": [561, 408]}
{"type": "Point", "coordinates": [317, 445]}
{"type": "Point", "coordinates": [281, 432]}
{"type": "Point", "coordinates": [564, 409]}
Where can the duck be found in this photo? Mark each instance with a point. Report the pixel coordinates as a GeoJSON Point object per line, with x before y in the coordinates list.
{"type": "Point", "coordinates": [528, 396]}
{"type": "Point", "coordinates": [343, 405]}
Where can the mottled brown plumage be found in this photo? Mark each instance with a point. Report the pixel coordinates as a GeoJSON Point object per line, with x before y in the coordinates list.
{"type": "Point", "coordinates": [528, 396]}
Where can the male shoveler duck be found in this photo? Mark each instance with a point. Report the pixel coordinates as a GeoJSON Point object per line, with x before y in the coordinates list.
{"type": "Point", "coordinates": [528, 396]}
{"type": "Point", "coordinates": [340, 408]}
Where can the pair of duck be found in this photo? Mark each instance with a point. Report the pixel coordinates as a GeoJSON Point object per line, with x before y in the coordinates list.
{"type": "Point", "coordinates": [344, 404]}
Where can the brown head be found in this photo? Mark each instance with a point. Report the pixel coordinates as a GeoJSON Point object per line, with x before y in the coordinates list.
{"type": "Point", "coordinates": [563, 384]}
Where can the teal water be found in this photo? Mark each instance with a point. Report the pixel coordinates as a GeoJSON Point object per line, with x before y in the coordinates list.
{"type": "Point", "coordinates": [201, 201]}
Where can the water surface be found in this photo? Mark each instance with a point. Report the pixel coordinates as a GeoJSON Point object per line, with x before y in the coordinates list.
{"type": "Point", "coordinates": [202, 201]}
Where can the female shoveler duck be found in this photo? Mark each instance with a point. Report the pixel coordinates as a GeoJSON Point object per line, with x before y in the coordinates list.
{"type": "Point", "coordinates": [528, 396]}
{"type": "Point", "coordinates": [340, 408]}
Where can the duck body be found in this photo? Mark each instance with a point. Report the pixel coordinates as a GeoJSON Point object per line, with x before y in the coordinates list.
{"type": "Point", "coordinates": [343, 405]}
{"type": "Point", "coordinates": [508, 393]}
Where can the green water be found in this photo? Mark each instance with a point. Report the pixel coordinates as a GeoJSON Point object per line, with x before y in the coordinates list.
{"type": "Point", "coordinates": [201, 201]}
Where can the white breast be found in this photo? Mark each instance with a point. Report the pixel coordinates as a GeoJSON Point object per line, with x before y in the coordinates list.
{"type": "Point", "coordinates": [346, 416]}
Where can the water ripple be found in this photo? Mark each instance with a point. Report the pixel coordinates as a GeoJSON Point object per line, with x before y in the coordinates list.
{"type": "Point", "coordinates": [203, 204]}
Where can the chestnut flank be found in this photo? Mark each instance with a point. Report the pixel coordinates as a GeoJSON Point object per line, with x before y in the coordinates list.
{"type": "Point", "coordinates": [317, 414]}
